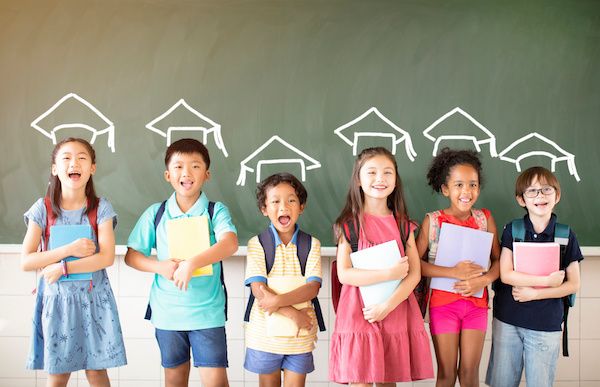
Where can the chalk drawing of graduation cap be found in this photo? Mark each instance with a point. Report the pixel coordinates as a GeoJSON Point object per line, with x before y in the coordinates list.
{"type": "Point", "coordinates": [474, 131]}
{"type": "Point", "coordinates": [205, 125]}
{"type": "Point", "coordinates": [534, 144]}
{"type": "Point", "coordinates": [109, 129]}
{"type": "Point", "coordinates": [293, 155]}
{"type": "Point", "coordinates": [397, 135]}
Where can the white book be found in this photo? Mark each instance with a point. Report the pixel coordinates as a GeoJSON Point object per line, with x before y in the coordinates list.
{"type": "Point", "coordinates": [382, 256]}
{"type": "Point", "coordinates": [458, 243]}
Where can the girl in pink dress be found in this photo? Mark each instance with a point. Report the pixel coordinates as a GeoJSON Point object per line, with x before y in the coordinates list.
{"type": "Point", "coordinates": [387, 342]}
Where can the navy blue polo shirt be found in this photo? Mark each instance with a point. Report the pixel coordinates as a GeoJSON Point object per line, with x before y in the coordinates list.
{"type": "Point", "coordinates": [540, 315]}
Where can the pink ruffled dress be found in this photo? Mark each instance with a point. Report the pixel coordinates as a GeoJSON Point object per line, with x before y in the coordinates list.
{"type": "Point", "coordinates": [395, 349]}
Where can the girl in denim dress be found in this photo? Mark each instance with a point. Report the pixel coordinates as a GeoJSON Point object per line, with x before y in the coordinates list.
{"type": "Point", "coordinates": [75, 323]}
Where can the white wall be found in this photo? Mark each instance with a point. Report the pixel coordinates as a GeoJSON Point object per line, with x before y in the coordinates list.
{"type": "Point", "coordinates": [143, 369]}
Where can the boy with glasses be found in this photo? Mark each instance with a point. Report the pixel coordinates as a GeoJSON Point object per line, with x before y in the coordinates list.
{"type": "Point", "coordinates": [528, 309]}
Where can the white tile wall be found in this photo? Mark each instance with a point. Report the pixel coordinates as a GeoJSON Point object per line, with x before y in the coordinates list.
{"type": "Point", "coordinates": [143, 370]}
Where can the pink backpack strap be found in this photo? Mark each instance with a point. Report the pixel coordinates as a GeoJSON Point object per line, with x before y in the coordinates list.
{"type": "Point", "coordinates": [480, 218]}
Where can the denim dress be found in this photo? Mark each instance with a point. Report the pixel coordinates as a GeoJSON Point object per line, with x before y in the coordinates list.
{"type": "Point", "coordinates": [75, 323]}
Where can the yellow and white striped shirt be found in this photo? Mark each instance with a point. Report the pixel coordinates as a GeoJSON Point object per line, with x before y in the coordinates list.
{"type": "Point", "coordinates": [286, 264]}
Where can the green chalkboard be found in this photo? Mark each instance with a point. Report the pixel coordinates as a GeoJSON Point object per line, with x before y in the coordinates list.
{"type": "Point", "coordinates": [326, 77]}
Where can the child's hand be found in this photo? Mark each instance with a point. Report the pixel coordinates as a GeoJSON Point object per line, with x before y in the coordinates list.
{"type": "Point", "coordinates": [376, 312]}
{"type": "Point", "coordinates": [82, 247]}
{"type": "Point", "coordinates": [468, 288]}
{"type": "Point", "coordinates": [269, 302]}
{"type": "Point", "coordinates": [555, 279]}
{"type": "Point", "coordinates": [52, 272]}
{"type": "Point", "coordinates": [302, 320]}
{"type": "Point", "coordinates": [182, 275]}
{"type": "Point", "coordinates": [524, 293]}
{"type": "Point", "coordinates": [167, 268]}
{"type": "Point", "coordinates": [400, 269]}
{"type": "Point", "coordinates": [465, 270]}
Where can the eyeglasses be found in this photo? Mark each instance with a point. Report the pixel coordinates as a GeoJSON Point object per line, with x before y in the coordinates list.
{"type": "Point", "coordinates": [534, 192]}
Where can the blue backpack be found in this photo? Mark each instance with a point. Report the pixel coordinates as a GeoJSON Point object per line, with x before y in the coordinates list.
{"type": "Point", "coordinates": [157, 218]}
{"type": "Point", "coordinates": [267, 241]}
{"type": "Point", "coordinates": [561, 236]}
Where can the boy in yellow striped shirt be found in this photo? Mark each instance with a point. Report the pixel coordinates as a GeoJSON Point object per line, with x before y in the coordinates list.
{"type": "Point", "coordinates": [282, 198]}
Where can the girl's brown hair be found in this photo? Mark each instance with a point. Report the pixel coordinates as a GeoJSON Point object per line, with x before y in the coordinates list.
{"type": "Point", "coordinates": [54, 191]}
{"type": "Point", "coordinates": [353, 209]}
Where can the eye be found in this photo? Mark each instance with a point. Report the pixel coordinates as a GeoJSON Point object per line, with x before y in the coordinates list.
{"type": "Point", "coordinates": [370, 173]}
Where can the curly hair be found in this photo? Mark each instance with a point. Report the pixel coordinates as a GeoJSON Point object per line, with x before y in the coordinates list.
{"type": "Point", "coordinates": [275, 180]}
{"type": "Point", "coordinates": [442, 164]}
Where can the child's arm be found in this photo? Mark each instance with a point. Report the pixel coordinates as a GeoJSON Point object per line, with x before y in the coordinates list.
{"type": "Point", "coordinates": [380, 311]}
{"type": "Point", "coordinates": [463, 270]}
{"type": "Point", "coordinates": [105, 257]}
{"type": "Point", "coordinates": [225, 247]}
{"type": "Point", "coordinates": [31, 259]}
{"type": "Point", "coordinates": [302, 319]}
{"type": "Point", "coordinates": [270, 301]}
{"type": "Point", "coordinates": [509, 276]}
{"type": "Point", "coordinates": [471, 286]}
{"type": "Point", "coordinates": [349, 275]}
{"type": "Point", "coordinates": [140, 262]}
{"type": "Point", "coordinates": [570, 286]}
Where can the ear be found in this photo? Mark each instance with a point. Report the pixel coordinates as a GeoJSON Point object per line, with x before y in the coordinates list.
{"type": "Point", "coordinates": [167, 176]}
{"type": "Point", "coordinates": [557, 198]}
{"type": "Point", "coordinates": [263, 209]}
{"type": "Point", "coordinates": [207, 176]}
{"type": "Point", "coordinates": [93, 169]}
{"type": "Point", "coordinates": [520, 200]}
{"type": "Point", "coordinates": [301, 208]}
{"type": "Point", "coordinates": [54, 170]}
{"type": "Point", "coordinates": [445, 190]}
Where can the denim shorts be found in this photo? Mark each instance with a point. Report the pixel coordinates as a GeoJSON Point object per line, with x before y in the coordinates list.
{"type": "Point", "coordinates": [457, 316]}
{"type": "Point", "coordinates": [514, 349]}
{"type": "Point", "coordinates": [261, 362]}
{"type": "Point", "coordinates": [209, 347]}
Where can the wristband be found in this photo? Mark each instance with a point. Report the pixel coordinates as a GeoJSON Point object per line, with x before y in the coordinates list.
{"type": "Point", "coordinates": [64, 268]}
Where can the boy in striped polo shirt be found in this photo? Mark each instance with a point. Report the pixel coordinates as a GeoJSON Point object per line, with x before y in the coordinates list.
{"type": "Point", "coordinates": [281, 198]}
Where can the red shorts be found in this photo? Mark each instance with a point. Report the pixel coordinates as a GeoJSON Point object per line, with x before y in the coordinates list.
{"type": "Point", "coordinates": [456, 316]}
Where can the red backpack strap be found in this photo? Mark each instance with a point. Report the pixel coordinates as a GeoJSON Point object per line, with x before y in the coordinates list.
{"type": "Point", "coordinates": [50, 220]}
{"type": "Point", "coordinates": [93, 217]}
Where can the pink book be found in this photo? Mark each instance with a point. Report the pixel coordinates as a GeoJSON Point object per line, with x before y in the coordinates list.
{"type": "Point", "coordinates": [536, 258]}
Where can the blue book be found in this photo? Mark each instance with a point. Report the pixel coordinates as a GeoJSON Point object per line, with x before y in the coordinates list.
{"type": "Point", "coordinates": [65, 234]}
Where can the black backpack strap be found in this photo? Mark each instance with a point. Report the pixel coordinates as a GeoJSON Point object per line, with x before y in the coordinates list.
{"type": "Point", "coordinates": [157, 218]}
{"type": "Point", "coordinates": [561, 236]}
{"type": "Point", "coordinates": [211, 212]}
{"type": "Point", "coordinates": [267, 241]}
{"type": "Point", "coordinates": [351, 235]}
{"type": "Point", "coordinates": [304, 246]}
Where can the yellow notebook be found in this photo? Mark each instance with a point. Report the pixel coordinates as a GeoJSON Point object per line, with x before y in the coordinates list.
{"type": "Point", "coordinates": [277, 324]}
{"type": "Point", "coordinates": [188, 237]}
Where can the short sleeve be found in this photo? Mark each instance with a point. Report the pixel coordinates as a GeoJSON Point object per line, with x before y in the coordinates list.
{"type": "Point", "coordinates": [573, 251]}
{"type": "Point", "coordinates": [313, 263]}
{"type": "Point", "coordinates": [507, 240]}
{"type": "Point", "coordinates": [143, 236]}
{"type": "Point", "coordinates": [36, 214]}
{"type": "Point", "coordinates": [221, 221]}
{"type": "Point", "coordinates": [256, 269]}
{"type": "Point", "coordinates": [106, 212]}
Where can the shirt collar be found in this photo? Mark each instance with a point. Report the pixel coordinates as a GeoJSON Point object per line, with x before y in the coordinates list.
{"type": "Point", "coordinates": [549, 230]}
{"type": "Point", "coordinates": [278, 240]}
{"type": "Point", "coordinates": [199, 208]}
